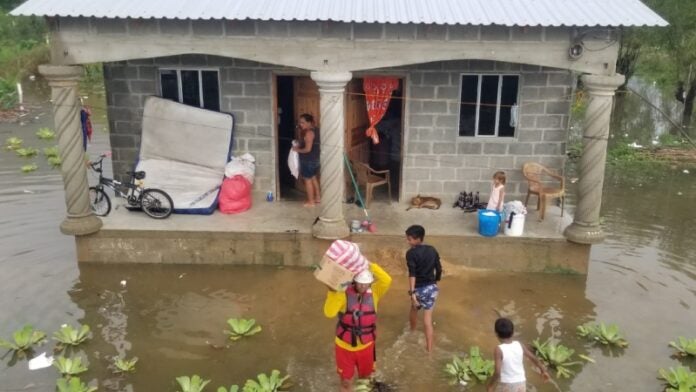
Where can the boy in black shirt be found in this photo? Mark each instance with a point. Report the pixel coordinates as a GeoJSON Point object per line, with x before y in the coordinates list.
{"type": "Point", "coordinates": [424, 271]}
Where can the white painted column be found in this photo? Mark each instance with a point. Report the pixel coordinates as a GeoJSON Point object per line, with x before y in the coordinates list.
{"type": "Point", "coordinates": [331, 224]}
{"type": "Point", "coordinates": [585, 228]}
{"type": "Point", "coordinates": [66, 114]}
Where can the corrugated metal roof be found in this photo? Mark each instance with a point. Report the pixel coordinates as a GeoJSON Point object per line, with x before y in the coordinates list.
{"type": "Point", "coordinates": [442, 12]}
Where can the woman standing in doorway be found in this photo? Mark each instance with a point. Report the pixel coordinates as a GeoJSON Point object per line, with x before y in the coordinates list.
{"type": "Point", "coordinates": [308, 148]}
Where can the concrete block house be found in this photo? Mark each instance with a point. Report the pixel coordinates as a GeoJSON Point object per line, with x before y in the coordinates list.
{"type": "Point", "coordinates": [483, 85]}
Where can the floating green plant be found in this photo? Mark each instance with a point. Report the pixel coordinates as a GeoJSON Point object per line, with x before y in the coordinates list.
{"type": "Point", "coordinates": [685, 347]}
{"type": "Point", "coordinates": [50, 151]}
{"type": "Point", "coordinates": [556, 356]}
{"type": "Point", "coordinates": [29, 168]}
{"type": "Point", "coordinates": [123, 365]}
{"type": "Point", "coordinates": [240, 328]}
{"type": "Point", "coordinates": [55, 162]}
{"type": "Point", "coordinates": [680, 379]}
{"type": "Point", "coordinates": [233, 388]}
{"type": "Point", "coordinates": [45, 134]}
{"type": "Point", "coordinates": [27, 152]}
{"type": "Point", "coordinates": [69, 367]}
{"type": "Point", "coordinates": [13, 143]}
{"type": "Point", "coordinates": [24, 339]}
{"type": "Point", "coordinates": [73, 385]}
{"type": "Point", "coordinates": [265, 383]}
{"type": "Point", "coordinates": [362, 385]}
{"type": "Point", "coordinates": [192, 384]}
{"type": "Point", "coordinates": [69, 336]}
{"type": "Point", "coordinates": [463, 370]}
{"type": "Point", "coordinates": [604, 334]}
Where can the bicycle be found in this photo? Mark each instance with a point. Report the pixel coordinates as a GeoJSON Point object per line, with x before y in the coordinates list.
{"type": "Point", "coordinates": [156, 203]}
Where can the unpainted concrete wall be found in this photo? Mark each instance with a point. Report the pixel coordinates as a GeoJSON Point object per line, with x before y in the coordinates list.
{"type": "Point", "coordinates": [437, 162]}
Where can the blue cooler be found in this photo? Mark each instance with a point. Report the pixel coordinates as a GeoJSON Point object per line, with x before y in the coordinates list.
{"type": "Point", "coordinates": [489, 222]}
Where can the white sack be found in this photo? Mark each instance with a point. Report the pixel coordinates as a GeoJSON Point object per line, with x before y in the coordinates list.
{"type": "Point", "coordinates": [294, 163]}
{"type": "Point", "coordinates": [244, 165]}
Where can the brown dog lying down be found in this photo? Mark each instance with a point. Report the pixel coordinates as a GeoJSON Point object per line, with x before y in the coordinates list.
{"type": "Point", "coordinates": [425, 202]}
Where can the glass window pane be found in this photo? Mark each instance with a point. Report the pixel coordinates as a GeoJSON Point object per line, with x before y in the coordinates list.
{"type": "Point", "coordinates": [508, 97]}
{"type": "Point", "coordinates": [211, 93]}
{"type": "Point", "coordinates": [169, 84]}
{"type": "Point", "coordinates": [467, 108]}
{"type": "Point", "coordinates": [489, 104]}
{"type": "Point", "coordinates": [189, 88]}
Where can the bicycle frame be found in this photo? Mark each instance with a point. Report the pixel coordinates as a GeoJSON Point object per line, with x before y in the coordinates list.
{"type": "Point", "coordinates": [133, 190]}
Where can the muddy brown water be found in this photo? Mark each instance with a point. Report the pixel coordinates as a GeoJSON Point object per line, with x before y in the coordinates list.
{"type": "Point", "coordinates": [643, 277]}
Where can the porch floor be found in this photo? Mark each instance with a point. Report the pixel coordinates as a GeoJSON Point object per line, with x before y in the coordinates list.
{"type": "Point", "coordinates": [280, 233]}
{"type": "Point", "coordinates": [291, 216]}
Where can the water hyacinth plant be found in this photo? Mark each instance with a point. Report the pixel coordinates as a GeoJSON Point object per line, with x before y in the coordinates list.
{"type": "Point", "coordinates": [27, 152]}
{"type": "Point", "coordinates": [29, 168]}
{"type": "Point", "coordinates": [55, 162]}
{"type": "Point", "coordinates": [680, 379]}
{"type": "Point", "coordinates": [73, 385]}
{"type": "Point", "coordinates": [265, 383]}
{"type": "Point", "coordinates": [69, 336]}
{"type": "Point", "coordinates": [604, 334]}
{"type": "Point", "coordinates": [240, 328]}
{"type": "Point", "coordinates": [13, 143]}
{"type": "Point", "coordinates": [50, 151]}
{"type": "Point", "coordinates": [556, 356]}
{"type": "Point", "coordinates": [69, 367]}
{"type": "Point", "coordinates": [462, 370]}
{"type": "Point", "coordinates": [192, 384]}
{"type": "Point", "coordinates": [24, 339]}
{"type": "Point", "coordinates": [45, 134]}
{"type": "Point", "coordinates": [123, 365]}
{"type": "Point", "coordinates": [685, 347]}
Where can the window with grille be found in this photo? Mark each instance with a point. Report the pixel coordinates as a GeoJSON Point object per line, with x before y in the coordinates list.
{"type": "Point", "coordinates": [488, 105]}
{"type": "Point", "coordinates": [195, 87]}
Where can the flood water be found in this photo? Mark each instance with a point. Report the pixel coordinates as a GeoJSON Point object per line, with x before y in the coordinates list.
{"type": "Point", "coordinates": [643, 277]}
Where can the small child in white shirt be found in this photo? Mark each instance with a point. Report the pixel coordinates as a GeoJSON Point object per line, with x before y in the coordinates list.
{"type": "Point", "coordinates": [509, 367]}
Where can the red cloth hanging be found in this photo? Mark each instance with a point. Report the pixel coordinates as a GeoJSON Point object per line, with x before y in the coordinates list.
{"type": "Point", "coordinates": [378, 92]}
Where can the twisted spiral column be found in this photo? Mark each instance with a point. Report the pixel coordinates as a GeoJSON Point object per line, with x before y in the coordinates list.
{"type": "Point", "coordinates": [585, 228]}
{"type": "Point", "coordinates": [331, 223]}
{"type": "Point", "coordinates": [63, 80]}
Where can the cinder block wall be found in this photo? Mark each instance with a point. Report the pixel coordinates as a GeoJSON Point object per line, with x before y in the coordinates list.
{"type": "Point", "coordinates": [439, 162]}
{"type": "Point", "coordinates": [245, 90]}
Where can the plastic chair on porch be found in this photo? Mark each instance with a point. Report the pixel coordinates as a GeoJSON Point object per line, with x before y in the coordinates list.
{"type": "Point", "coordinates": [536, 175]}
{"type": "Point", "coordinates": [370, 178]}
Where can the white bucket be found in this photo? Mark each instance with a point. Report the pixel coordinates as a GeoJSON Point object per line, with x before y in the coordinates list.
{"type": "Point", "coordinates": [515, 228]}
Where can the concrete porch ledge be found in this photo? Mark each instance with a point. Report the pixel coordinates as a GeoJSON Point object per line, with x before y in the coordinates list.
{"type": "Point", "coordinates": [279, 233]}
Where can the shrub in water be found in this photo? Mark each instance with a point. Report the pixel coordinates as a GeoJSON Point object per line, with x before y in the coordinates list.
{"type": "Point", "coordinates": [604, 334]}
{"type": "Point", "coordinates": [556, 356]}
{"type": "Point", "coordinates": [680, 379]}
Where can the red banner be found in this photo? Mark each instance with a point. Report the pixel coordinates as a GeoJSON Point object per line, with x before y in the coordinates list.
{"type": "Point", "coordinates": [378, 92]}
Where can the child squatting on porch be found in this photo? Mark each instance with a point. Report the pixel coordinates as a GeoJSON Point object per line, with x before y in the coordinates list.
{"type": "Point", "coordinates": [509, 372]}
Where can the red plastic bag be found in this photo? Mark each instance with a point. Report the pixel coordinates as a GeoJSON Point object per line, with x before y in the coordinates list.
{"type": "Point", "coordinates": [235, 195]}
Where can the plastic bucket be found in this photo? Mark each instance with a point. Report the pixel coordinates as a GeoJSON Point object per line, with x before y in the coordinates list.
{"type": "Point", "coordinates": [489, 222]}
{"type": "Point", "coordinates": [514, 225]}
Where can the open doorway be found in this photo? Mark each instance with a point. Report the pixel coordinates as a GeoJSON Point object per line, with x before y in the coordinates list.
{"type": "Point", "coordinates": [387, 155]}
{"type": "Point", "coordinates": [295, 95]}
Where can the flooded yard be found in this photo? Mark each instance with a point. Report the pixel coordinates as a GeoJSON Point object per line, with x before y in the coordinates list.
{"type": "Point", "coordinates": [172, 318]}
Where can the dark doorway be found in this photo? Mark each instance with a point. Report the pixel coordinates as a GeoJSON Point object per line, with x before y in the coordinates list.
{"type": "Point", "coordinates": [387, 154]}
{"type": "Point", "coordinates": [286, 133]}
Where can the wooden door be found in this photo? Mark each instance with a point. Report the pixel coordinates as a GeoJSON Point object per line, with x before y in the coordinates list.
{"type": "Point", "coordinates": [356, 143]}
{"type": "Point", "coordinates": [305, 100]}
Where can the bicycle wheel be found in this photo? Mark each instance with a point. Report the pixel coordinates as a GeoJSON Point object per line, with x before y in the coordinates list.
{"type": "Point", "coordinates": [99, 201]}
{"type": "Point", "coordinates": [156, 203]}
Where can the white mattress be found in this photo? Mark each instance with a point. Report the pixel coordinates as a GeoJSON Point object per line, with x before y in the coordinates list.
{"type": "Point", "coordinates": [184, 151]}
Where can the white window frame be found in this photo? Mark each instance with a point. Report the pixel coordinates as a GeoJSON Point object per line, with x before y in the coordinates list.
{"type": "Point", "coordinates": [478, 100]}
{"type": "Point", "coordinates": [179, 85]}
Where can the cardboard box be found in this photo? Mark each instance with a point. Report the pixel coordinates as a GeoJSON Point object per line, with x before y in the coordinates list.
{"type": "Point", "coordinates": [333, 275]}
